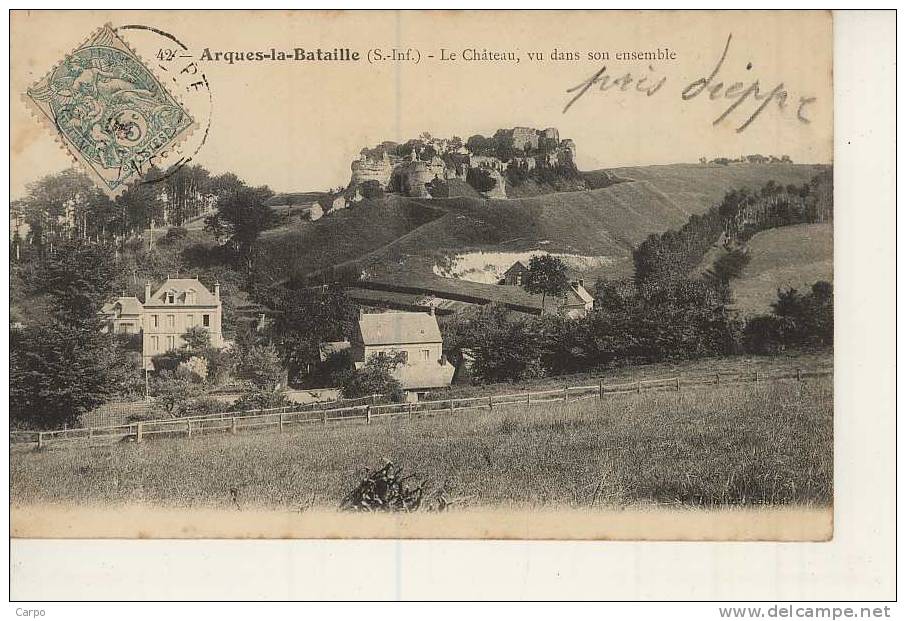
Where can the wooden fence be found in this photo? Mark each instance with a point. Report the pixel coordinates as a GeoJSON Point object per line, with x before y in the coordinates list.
{"type": "Point", "coordinates": [370, 410]}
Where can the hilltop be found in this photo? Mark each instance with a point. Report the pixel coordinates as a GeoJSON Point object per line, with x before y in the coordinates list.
{"type": "Point", "coordinates": [696, 187]}
{"type": "Point", "coordinates": [414, 235]}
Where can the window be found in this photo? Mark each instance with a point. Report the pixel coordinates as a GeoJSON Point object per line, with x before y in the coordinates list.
{"type": "Point", "coordinates": [153, 321]}
{"type": "Point", "coordinates": [426, 355]}
{"type": "Point", "coordinates": [171, 343]}
{"type": "Point", "coordinates": [190, 321]}
{"type": "Point", "coordinates": [124, 328]}
{"type": "Point", "coordinates": [154, 345]}
{"type": "Point", "coordinates": [190, 296]}
{"type": "Point", "coordinates": [171, 321]}
{"type": "Point", "coordinates": [206, 320]}
{"type": "Point", "coordinates": [171, 297]}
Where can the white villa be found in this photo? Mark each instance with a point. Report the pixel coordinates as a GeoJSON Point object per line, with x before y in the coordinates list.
{"type": "Point", "coordinates": [166, 315]}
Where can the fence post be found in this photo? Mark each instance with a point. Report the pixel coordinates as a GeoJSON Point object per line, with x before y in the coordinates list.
{"type": "Point", "coordinates": [368, 414]}
{"type": "Point", "coordinates": [491, 402]}
{"type": "Point", "coordinates": [600, 389]}
{"type": "Point", "coordinates": [90, 433]}
{"type": "Point", "coordinates": [40, 439]}
{"type": "Point", "coordinates": [528, 399]}
{"type": "Point", "coordinates": [717, 375]}
{"type": "Point", "coordinates": [139, 428]}
{"type": "Point", "coordinates": [409, 413]}
{"type": "Point", "coordinates": [189, 429]}
{"type": "Point", "coordinates": [282, 421]}
{"type": "Point", "coordinates": [324, 416]}
{"type": "Point", "coordinates": [798, 374]}
{"type": "Point", "coordinates": [638, 387]}
{"type": "Point", "coordinates": [566, 395]}
{"type": "Point", "coordinates": [677, 384]}
{"type": "Point", "coordinates": [451, 406]}
{"type": "Point", "coordinates": [233, 425]}
{"type": "Point", "coordinates": [756, 377]}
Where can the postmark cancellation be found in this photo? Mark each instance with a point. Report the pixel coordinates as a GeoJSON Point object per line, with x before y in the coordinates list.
{"type": "Point", "coordinates": [109, 110]}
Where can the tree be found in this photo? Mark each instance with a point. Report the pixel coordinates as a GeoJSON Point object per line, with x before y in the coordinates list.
{"type": "Point", "coordinates": [480, 179]}
{"type": "Point", "coordinates": [197, 339]}
{"type": "Point", "coordinates": [62, 370]}
{"type": "Point", "coordinates": [174, 394]}
{"type": "Point", "coordinates": [546, 275]}
{"type": "Point", "coordinates": [304, 319]}
{"type": "Point", "coordinates": [477, 144]}
{"type": "Point", "coordinates": [375, 378]}
{"type": "Point", "coordinates": [79, 276]}
{"type": "Point", "coordinates": [260, 365]}
{"type": "Point", "coordinates": [242, 214]}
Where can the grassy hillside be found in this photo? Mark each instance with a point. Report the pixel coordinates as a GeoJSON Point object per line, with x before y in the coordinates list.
{"type": "Point", "coordinates": [693, 188]}
{"type": "Point", "coordinates": [341, 236]}
{"type": "Point", "coordinates": [706, 446]}
{"type": "Point", "coordinates": [411, 235]}
{"type": "Point", "coordinates": [790, 256]}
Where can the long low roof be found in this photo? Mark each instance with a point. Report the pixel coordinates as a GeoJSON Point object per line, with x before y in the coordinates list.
{"type": "Point", "coordinates": [396, 328]}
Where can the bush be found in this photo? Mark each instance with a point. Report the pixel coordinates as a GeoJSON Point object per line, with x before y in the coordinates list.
{"type": "Point", "coordinates": [438, 188]}
{"type": "Point", "coordinates": [375, 378]}
{"type": "Point", "coordinates": [764, 335]}
{"type": "Point", "coordinates": [371, 189]}
{"type": "Point", "coordinates": [258, 399]}
{"type": "Point", "coordinates": [480, 179]}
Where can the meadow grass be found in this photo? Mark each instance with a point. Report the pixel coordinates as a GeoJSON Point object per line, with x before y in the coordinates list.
{"type": "Point", "coordinates": [742, 444]}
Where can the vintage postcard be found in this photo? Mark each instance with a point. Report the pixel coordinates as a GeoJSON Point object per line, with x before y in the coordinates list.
{"type": "Point", "coordinates": [489, 275]}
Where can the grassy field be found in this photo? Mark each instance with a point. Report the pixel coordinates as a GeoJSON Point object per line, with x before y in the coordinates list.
{"type": "Point", "coordinates": [732, 445]}
{"type": "Point", "coordinates": [790, 256]}
{"type": "Point", "coordinates": [696, 187]}
{"type": "Point", "coordinates": [747, 364]}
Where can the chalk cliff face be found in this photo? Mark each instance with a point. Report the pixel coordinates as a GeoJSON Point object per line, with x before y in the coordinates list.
{"type": "Point", "coordinates": [521, 150]}
{"type": "Point", "coordinates": [366, 169]}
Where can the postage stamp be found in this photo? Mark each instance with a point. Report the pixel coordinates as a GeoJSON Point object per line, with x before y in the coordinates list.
{"type": "Point", "coordinates": [110, 111]}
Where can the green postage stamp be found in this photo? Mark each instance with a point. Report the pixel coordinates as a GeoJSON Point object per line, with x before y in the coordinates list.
{"type": "Point", "coordinates": [110, 111]}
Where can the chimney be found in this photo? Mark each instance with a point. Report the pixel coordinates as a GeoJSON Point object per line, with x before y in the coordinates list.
{"type": "Point", "coordinates": [147, 292]}
{"type": "Point", "coordinates": [216, 290]}
{"type": "Point", "coordinates": [581, 282]}
{"type": "Point", "coordinates": [431, 309]}
{"type": "Point", "coordinates": [361, 312]}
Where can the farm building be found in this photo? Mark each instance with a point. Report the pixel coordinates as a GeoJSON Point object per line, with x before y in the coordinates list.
{"type": "Point", "coordinates": [417, 335]}
{"type": "Point", "coordinates": [514, 275]}
{"type": "Point", "coordinates": [577, 301]}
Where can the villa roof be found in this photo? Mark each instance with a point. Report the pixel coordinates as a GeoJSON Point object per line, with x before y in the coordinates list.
{"type": "Point", "coordinates": [395, 328]}
{"type": "Point", "coordinates": [129, 306]}
{"type": "Point", "coordinates": [180, 286]}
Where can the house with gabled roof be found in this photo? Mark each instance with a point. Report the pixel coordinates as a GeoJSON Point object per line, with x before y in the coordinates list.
{"type": "Point", "coordinates": [166, 314]}
{"type": "Point", "coordinates": [515, 274]}
{"type": "Point", "coordinates": [123, 315]}
{"type": "Point", "coordinates": [416, 335]}
{"type": "Point", "coordinates": [577, 301]}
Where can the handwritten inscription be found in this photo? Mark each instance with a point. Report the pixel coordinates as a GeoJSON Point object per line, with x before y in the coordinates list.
{"type": "Point", "coordinates": [748, 99]}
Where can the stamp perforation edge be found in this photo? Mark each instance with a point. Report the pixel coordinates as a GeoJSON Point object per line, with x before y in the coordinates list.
{"type": "Point", "coordinates": [63, 142]}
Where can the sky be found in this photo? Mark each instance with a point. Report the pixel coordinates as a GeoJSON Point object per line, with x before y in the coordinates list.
{"type": "Point", "coordinates": [297, 125]}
